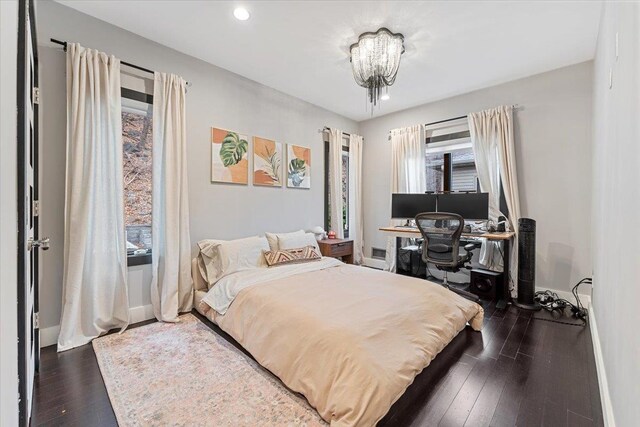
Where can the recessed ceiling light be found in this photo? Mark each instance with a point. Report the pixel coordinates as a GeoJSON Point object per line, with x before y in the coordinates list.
{"type": "Point", "coordinates": [385, 97]}
{"type": "Point", "coordinates": [241, 14]}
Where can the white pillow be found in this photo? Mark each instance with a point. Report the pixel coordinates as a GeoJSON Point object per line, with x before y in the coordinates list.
{"type": "Point", "coordinates": [273, 238]}
{"type": "Point", "coordinates": [208, 247]}
{"type": "Point", "coordinates": [207, 260]}
{"type": "Point", "coordinates": [298, 241]}
{"type": "Point", "coordinates": [240, 254]}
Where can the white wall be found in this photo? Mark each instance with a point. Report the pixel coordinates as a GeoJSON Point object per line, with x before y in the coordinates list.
{"type": "Point", "coordinates": [217, 98]}
{"type": "Point", "coordinates": [552, 133]}
{"type": "Point", "coordinates": [8, 213]}
{"type": "Point", "coordinates": [616, 203]}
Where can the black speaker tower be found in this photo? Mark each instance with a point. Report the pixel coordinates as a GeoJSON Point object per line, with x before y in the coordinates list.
{"type": "Point", "coordinates": [527, 264]}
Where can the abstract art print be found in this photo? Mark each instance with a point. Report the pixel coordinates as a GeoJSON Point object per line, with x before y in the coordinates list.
{"type": "Point", "coordinates": [298, 166]}
{"type": "Point", "coordinates": [267, 162]}
{"type": "Point", "coordinates": [229, 162]}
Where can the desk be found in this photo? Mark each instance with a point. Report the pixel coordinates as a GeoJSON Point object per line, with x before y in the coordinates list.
{"type": "Point", "coordinates": [504, 236]}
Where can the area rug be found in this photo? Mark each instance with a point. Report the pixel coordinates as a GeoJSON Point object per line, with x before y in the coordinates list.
{"type": "Point", "coordinates": [184, 374]}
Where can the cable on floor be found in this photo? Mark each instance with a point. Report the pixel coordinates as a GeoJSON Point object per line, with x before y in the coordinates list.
{"type": "Point", "coordinates": [552, 303]}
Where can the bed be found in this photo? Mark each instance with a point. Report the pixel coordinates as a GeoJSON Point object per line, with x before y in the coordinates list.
{"type": "Point", "coordinates": [350, 339]}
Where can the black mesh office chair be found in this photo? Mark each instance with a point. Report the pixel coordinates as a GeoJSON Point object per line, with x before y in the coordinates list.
{"type": "Point", "coordinates": [441, 232]}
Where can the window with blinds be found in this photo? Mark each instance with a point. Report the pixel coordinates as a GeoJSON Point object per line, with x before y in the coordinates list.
{"type": "Point", "coordinates": [450, 163]}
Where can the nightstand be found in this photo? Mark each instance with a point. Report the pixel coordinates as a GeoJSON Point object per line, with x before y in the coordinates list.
{"type": "Point", "coordinates": [337, 248]}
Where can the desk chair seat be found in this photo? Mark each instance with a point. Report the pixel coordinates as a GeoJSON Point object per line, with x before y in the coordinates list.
{"type": "Point", "coordinates": [441, 232]}
{"type": "Point", "coordinates": [442, 252]}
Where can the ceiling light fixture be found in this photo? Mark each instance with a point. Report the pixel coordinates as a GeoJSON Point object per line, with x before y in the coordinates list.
{"type": "Point", "coordinates": [375, 60]}
{"type": "Point", "coordinates": [241, 13]}
{"type": "Point", "coordinates": [385, 97]}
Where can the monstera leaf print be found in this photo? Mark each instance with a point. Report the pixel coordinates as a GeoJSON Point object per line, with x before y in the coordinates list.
{"type": "Point", "coordinates": [232, 149]}
{"type": "Point", "coordinates": [297, 171]}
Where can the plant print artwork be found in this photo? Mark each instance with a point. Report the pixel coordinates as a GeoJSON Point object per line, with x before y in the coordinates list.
{"type": "Point", "coordinates": [298, 167]}
{"type": "Point", "coordinates": [267, 162]}
{"type": "Point", "coordinates": [229, 162]}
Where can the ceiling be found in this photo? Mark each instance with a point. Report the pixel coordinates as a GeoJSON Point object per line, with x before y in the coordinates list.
{"type": "Point", "coordinates": [301, 47]}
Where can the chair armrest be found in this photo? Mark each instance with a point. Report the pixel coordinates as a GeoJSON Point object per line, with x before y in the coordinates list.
{"type": "Point", "coordinates": [469, 247]}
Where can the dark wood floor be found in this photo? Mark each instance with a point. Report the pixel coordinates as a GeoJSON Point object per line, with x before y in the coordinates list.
{"type": "Point", "coordinates": [519, 371]}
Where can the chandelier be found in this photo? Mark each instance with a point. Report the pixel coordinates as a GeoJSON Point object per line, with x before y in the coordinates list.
{"type": "Point", "coordinates": [375, 60]}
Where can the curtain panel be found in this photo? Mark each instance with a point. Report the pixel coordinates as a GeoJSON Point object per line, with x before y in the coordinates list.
{"type": "Point", "coordinates": [171, 289]}
{"type": "Point", "coordinates": [485, 151]}
{"type": "Point", "coordinates": [95, 297]}
{"type": "Point", "coordinates": [408, 173]}
{"type": "Point", "coordinates": [336, 204]}
{"type": "Point", "coordinates": [356, 217]}
{"type": "Point", "coordinates": [494, 149]}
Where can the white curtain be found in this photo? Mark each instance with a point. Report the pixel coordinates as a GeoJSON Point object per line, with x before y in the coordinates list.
{"type": "Point", "coordinates": [356, 221]}
{"type": "Point", "coordinates": [171, 290]}
{"type": "Point", "coordinates": [485, 150]}
{"type": "Point", "coordinates": [493, 145]}
{"type": "Point", "coordinates": [95, 296]}
{"type": "Point", "coordinates": [509, 177]}
{"type": "Point", "coordinates": [336, 203]}
{"type": "Point", "coordinates": [408, 173]}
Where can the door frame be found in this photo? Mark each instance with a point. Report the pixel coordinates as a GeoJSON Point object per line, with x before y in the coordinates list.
{"type": "Point", "coordinates": [26, 9]}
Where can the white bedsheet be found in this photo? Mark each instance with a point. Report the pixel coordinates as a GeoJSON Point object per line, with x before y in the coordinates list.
{"type": "Point", "coordinates": [222, 294]}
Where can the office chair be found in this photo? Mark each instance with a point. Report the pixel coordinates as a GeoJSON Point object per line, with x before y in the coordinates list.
{"type": "Point", "coordinates": [441, 232]}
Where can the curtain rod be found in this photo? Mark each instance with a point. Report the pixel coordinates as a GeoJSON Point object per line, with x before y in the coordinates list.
{"type": "Point", "coordinates": [514, 106]}
{"type": "Point", "coordinates": [137, 67]}
{"type": "Point", "coordinates": [446, 120]}
{"type": "Point", "coordinates": [327, 129]}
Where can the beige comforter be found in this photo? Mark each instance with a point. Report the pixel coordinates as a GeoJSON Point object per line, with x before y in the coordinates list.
{"type": "Point", "coordinates": [350, 339]}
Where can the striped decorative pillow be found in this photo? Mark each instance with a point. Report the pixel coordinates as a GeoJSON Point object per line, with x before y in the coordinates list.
{"type": "Point", "coordinates": [290, 256]}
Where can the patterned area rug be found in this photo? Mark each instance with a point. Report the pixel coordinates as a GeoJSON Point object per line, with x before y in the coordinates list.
{"type": "Point", "coordinates": [184, 374]}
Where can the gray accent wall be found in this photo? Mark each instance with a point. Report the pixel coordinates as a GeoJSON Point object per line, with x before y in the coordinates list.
{"type": "Point", "coordinates": [217, 98]}
{"type": "Point", "coordinates": [553, 139]}
{"type": "Point", "coordinates": [616, 205]}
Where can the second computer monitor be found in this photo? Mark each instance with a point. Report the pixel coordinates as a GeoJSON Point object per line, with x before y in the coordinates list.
{"type": "Point", "coordinates": [470, 206]}
{"type": "Point", "coordinates": [407, 206]}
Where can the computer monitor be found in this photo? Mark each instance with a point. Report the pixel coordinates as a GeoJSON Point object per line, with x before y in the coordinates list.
{"type": "Point", "coordinates": [470, 206]}
{"type": "Point", "coordinates": [407, 206]}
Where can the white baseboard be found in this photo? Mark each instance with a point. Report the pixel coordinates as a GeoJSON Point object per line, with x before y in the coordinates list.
{"type": "Point", "coordinates": [605, 398]}
{"type": "Point", "coordinates": [374, 263]}
{"type": "Point", "coordinates": [49, 336]}
{"type": "Point", "coordinates": [140, 313]}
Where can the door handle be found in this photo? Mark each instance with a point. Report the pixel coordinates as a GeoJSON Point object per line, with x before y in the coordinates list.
{"type": "Point", "coordinates": [41, 243]}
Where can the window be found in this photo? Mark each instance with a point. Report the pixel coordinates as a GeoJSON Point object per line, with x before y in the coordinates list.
{"type": "Point", "coordinates": [345, 187]}
{"type": "Point", "coordinates": [450, 162]}
{"type": "Point", "coordinates": [464, 176]}
{"type": "Point", "coordinates": [137, 142]}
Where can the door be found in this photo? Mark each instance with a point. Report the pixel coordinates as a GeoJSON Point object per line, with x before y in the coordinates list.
{"type": "Point", "coordinates": [28, 209]}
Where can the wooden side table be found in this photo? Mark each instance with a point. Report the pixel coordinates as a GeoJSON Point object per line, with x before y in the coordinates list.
{"type": "Point", "coordinates": [337, 248]}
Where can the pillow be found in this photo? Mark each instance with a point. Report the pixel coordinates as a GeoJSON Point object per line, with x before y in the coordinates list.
{"type": "Point", "coordinates": [298, 241]}
{"type": "Point", "coordinates": [241, 254]}
{"type": "Point", "coordinates": [207, 260]}
{"type": "Point", "coordinates": [208, 247]}
{"type": "Point", "coordinates": [272, 238]}
{"type": "Point", "coordinates": [291, 256]}
{"type": "Point", "coordinates": [198, 274]}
